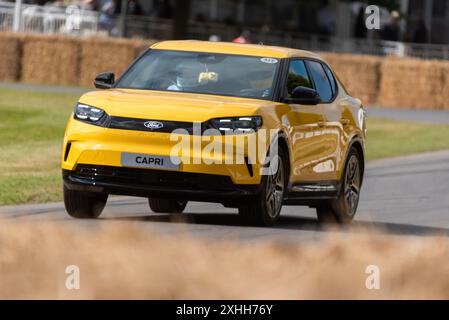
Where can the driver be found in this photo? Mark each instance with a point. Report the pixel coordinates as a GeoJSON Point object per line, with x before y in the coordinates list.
{"type": "Point", "coordinates": [187, 75]}
{"type": "Point", "coordinates": [261, 81]}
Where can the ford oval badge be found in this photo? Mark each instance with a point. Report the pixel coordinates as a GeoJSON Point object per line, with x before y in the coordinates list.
{"type": "Point", "coordinates": [152, 125]}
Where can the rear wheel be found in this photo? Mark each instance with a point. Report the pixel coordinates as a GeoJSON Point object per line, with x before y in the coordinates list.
{"type": "Point", "coordinates": [84, 205]}
{"type": "Point", "coordinates": [159, 205]}
{"type": "Point", "coordinates": [343, 209]}
{"type": "Point", "coordinates": [265, 208]}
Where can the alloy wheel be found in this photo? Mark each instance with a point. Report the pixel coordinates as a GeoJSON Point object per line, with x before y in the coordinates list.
{"type": "Point", "coordinates": [275, 190]}
{"type": "Point", "coordinates": [352, 185]}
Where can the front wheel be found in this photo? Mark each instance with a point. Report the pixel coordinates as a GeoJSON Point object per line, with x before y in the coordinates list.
{"type": "Point", "coordinates": [265, 208]}
{"type": "Point", "coordinates": [343, 209]}
{"type": "Point", "coordinates": [84, 205]}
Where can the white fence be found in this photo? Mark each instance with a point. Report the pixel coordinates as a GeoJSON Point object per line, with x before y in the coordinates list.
{"type": "Point", "coordinates": [49, 19]}
{"type": "Point", "coordinates": [72, 20]}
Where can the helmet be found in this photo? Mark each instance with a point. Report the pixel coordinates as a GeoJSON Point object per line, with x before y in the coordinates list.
{"type": "Point", "coordinates": [187, 74]}
{"type": "Point", "coordinates": [261, 79]}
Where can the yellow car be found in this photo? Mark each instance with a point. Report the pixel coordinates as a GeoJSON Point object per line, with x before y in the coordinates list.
{"type": "Point", "coordinates": [252, 127]}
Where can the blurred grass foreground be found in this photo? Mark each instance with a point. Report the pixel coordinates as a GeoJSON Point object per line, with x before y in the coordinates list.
{"type": "Point", "coordinates": [119, 260]}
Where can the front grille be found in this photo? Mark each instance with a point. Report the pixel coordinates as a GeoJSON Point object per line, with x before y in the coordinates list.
{"type": "Point", "coordinates": [138, 124]}
{"type": "Point", "coordinates": [157, 178]}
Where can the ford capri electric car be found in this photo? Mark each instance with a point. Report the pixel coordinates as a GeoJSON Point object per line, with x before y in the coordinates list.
{"type": "Point", "coordinates": [252, 127]}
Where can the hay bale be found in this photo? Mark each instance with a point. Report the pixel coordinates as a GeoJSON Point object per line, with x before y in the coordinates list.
{"type": "Point", "coordinates": [445, 86]}
{"type": "Point", "coordinates": [100, 55]}
{"type": "Point", "coordinates": [9, 56]}
{"type": "Point", "coordinates": [412, 83]}
{"type": "Point", "coordinates": [390, 82]}
{"type": "Point", "coordinates": [360, 74]}
{"type": "Point", "coordinates": [50, 59]}
{"type": "Point", "coordinates": [140, 46]}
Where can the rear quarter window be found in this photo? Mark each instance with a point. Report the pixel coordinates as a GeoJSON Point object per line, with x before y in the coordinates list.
{"type": "Point", "coordinates": [331, 78]}
{"type": "Point", "coordinates": [321, 80]}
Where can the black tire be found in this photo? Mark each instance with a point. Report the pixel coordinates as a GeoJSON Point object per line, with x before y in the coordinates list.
{"type": "Point", "coordinates": [158, 205]}
{"type": "Point", "coordinates": [84, 205]}
{"type": "Point", "coordinates": [343, 209]}
{"type": "Point", "coordinates": [265, 207]}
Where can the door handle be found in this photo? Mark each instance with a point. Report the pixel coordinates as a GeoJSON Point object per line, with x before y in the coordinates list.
{"type": "Point", "coordinates": [345, 121]}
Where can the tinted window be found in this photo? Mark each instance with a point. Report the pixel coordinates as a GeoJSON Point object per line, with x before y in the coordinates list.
{"type": "Point", "coordinates": [331, 79]}
{"type": "Point", "coordinates": [297, 76]}
{"type": "Point", "coordinates": [321, 81]}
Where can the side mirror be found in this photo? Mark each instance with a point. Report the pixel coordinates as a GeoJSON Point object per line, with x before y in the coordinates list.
{"type": "Point", "coordinates": [303, 95]}
{"type": "Point", "coordinates": [104, 80]}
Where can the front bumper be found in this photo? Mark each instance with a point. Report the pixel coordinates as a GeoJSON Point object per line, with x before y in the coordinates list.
{"type": "Point", "coordinates": [158, 183]}
{"type": "Point", "coordinates": [93, 145]}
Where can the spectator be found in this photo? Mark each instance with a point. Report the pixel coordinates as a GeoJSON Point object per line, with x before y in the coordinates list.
{"type": "Point", "coordinates": [243, 38]}
{"type": "Point", "coordinates": [420, 34]}
{"type": "Point", "coordinates": [214, 38]}
{"type": "Point", "coordinates": [391, 30]}
{"type": "Point", "coordinates": [108, 11]}
{"type": "Point", "coordinates": [327, 19]}
{"type": "Point", "coordinates": [360, 27]}
{"type": "Point", "coordinates": [134, 8]}
{"type": "Point", "coordinates": [109, 8]}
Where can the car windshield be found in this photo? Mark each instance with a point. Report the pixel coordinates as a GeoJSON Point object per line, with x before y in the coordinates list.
{"type": "Point", "coordinates": [206, 73]}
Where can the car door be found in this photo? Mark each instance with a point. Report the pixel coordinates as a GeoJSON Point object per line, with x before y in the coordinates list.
{"type": "Point", "coordinates": [306, 125]}
{"type": "Point", "coordinates": [326, 166]}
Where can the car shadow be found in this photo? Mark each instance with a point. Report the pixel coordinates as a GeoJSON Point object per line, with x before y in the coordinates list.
{"type": "Point", "coordinates": [291, 223]}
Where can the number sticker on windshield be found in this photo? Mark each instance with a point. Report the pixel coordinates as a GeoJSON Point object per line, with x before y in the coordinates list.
{"type": "Point", "coordinates": [269, 60]}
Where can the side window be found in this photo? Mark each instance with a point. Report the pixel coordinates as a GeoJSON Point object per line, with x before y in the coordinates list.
{"type": "Point", "coordinates": [297, 76]}
{"type": "Point", "coordinates": [321, 81]}
{"type": "Point", "coordinates": [331, 78]}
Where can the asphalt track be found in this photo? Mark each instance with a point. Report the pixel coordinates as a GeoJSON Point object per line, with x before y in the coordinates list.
{"type": "Point", "coordinates": [407, 196]}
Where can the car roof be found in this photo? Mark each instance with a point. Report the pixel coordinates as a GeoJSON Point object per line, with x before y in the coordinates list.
{"type": "Point", "coordinates": [234, 48]}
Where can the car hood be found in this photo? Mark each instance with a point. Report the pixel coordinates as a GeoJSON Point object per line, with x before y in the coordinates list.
{"type": "Point", "coordinates": [166, 105]}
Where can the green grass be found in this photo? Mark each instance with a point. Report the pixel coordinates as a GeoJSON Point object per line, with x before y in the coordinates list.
{"type": "Point", "coordinates": [32, 128]}
{"type": "Point", "coordinates": [390, 138]}
{"type": "Point", "coordinates": [31, 132]}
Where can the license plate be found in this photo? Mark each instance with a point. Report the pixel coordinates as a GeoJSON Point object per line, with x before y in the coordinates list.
{"type": "Point", "coordinates": [138, 160]}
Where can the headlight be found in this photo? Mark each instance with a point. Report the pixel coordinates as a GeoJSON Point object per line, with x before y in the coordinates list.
{"type": "Point", "coordinates": [237, 124]}
{"type": "Point", "coordinates": [87, 113]}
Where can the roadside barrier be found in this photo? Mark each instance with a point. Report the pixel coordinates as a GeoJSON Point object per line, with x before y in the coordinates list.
{"type": "Point", "coordinates": [360, 74]}
{"type": "Point", "coordinates": [102, 54]}
{"type": "Point", "coordinates": [10, 57]}
{"type": "Point", "coordinates": [69, 60]}
{"type": "Point", "coordinates": [413, 83]}
{"type": "Point", "coordinates": [50, 60]}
